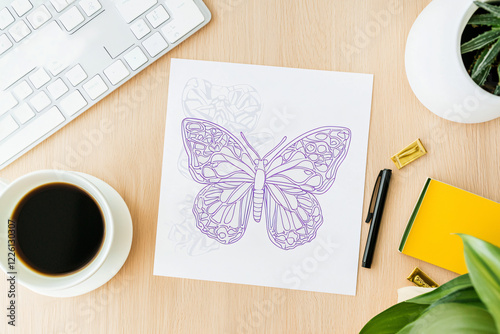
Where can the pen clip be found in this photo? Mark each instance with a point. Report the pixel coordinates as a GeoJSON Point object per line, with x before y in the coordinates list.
{"type": "Point", "coordinates": [370, 209]}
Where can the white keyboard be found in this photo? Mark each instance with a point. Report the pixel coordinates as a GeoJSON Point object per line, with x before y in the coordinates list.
{"type": "Point", "coordinates": [60, 57]}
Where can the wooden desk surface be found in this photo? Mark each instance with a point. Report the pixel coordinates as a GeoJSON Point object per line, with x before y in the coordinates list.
{"type": "Point", "coordinates": [353, 36]}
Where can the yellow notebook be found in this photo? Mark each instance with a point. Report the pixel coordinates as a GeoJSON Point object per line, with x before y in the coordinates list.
{"type": "Point", "coordinates": [441, 211]}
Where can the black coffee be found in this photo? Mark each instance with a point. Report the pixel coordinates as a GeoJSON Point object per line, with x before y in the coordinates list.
{"type": "Point", "coordinates": [59, 229]}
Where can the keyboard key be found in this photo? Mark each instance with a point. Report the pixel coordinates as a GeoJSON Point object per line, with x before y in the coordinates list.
{"type": "Point", "coordinates": [24, 113]}
{"type": "Point", "coordinates": [59, 5]}
{"type": "Point", "coordinates": [95, 87]}
{"type": "Point", "coordinates": [132, 9]}
{"type": "Point", "coordinates": [73, 103]}
{"type": "Point", "coordinates": [5, 43]}
{"type": "Point", "coordinates": [6, 18]}
{"type": "Point", "coordinates": [13, 74]}
{"type": "Point", "coordinates": [76, 75]}
{"type": "Point", "coordinates": [116, 72]}
{"type": "Point", "coordinates": [56, 66]}
{"type": "Point", "coordinates": [39, 78]}
{"type": "Point", "coordinates": [7, 126]}
{"type": "Point", "coordinates": [140, 28]}
{"type": "Point", "coordinates": [187, 16]}
{"type": "Point", "coordinates": [19, 30]}
{"type": "Point", "coordinates": [7, 102]}
{"type": "Point", "coordinates": [90, 7]}
{"type": "Point", "coordinates": [57, 89]}
{"type": "Point", "coordinates": [38, 17]}
{"type": "Point", "coordinates": [26, 136]}
{"type": "Point", "coordinates": [40, 101]}
{"type": "Point", "coordinates": [71, 18]}
{"type": "Point", "coordinates": [22, 91]}
{"type": "Point", "coordinates": [136, 58]}
{"type": "Point", "coordinates": [155, 44]}
{"type": "Point", "coordinates": [158, 16]}
{"type": "Point", "coordinates": [21, 6]}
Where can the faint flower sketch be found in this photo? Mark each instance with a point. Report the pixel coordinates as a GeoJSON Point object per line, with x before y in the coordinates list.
{"type": "Point", "coordinates": [238, 108]}
{"type": "Point", "coordinates": [186, 236]}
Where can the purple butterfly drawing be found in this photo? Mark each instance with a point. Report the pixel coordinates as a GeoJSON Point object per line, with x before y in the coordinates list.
{"type": "Point", "coordinates": [281, 187]}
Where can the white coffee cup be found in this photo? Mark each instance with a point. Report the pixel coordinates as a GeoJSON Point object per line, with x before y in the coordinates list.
{"type": "Point", "coordinates": [11, 194]}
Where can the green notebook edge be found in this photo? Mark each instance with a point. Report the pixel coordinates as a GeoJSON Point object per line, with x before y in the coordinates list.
{"type": "Point", "coordinates": [414, 215]}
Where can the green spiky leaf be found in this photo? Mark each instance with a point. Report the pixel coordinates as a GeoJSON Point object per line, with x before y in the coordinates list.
{"type": "Point", "coordinates": [495, 10]}
{"type": "Point", "coordinates": [481, 41]}
{"type": "Point", "coordinates": [484, 20]}
{"type": "Point", "coordinates": [487, 61]}
{"type": "Point", "coordinates": [480, 77]}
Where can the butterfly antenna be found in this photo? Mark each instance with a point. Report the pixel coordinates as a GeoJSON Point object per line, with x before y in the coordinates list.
{"type": "Point", "coordinates": [277, 146]}
{"type": "Point", "coordinates": [250, 146]}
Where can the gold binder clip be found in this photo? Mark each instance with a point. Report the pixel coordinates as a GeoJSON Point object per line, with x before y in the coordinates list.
{"type": "Point", "coordinates": [421, 279]}
{"type": "Point", "coordinates": [410, 153]}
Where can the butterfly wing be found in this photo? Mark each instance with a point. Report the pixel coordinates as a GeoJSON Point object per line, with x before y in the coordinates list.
{"type": "Point", "coordinates": [214, 154]}
{"type": "Point", "coordinates": [311, 161]}
{"type": "Point", "coordinates": [222, 211]}
{"type": "Point", "coordinates": [305, 167]}
{"type": "Point", "coordinates": [218, 159]}
{"type": "Point", "coordinates": [293, 217]}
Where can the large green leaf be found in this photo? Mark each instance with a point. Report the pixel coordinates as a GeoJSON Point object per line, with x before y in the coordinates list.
{"type": "Point", "coordinates": [487, 61]}
{"type": "Point", "coordinates": [481, 41]}
{"type": "Point", "coordinates": [459, 283]}
{"type": "Point", "coordinates": [495, 10]}
{"type": "Point", "coordinates": [452, 318]}
{"type": "Point", "coordinates": [394, 318]}
{"type": "Point", "coordinates": [484, 20]}
{"type": "Point", "coordinates": [467, 296]}
{"type": "Point", "coordinates": [483, 262]}
{"type": "Point", "coordinates": [458, 290]}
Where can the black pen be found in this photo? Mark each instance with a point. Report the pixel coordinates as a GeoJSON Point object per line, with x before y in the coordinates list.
{"type": "Point", "coordinates": [381, 187]}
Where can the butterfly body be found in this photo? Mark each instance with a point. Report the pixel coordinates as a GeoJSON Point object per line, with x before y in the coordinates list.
{"type": "Point", "coordinates": [239, 183]}
{"type": "Point", "coordinates": [258, 191]}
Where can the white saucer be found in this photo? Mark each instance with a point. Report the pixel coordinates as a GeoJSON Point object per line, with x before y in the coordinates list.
{"type": "Point", "coordinates": [119, 250]}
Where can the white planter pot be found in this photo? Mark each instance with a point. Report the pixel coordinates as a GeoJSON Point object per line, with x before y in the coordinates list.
{"type": "Point", "coordinates": [435, 69]}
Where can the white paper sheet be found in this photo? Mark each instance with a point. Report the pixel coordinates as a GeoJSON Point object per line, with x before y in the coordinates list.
{"type": "Point", "coordinates": [307, 194]}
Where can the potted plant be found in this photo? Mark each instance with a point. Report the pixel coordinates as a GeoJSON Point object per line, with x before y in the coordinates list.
{"type": "Point", "coordinates": [481, 47]}
{"type": "Point", "coordinates": [467, 304]}
{"type": "Point", "coordinates": [435, 67]}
